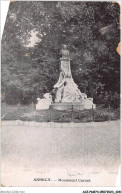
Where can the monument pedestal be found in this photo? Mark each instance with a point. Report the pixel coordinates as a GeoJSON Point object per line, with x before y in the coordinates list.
{"type": "Point", "coordinates": [72, 106]}
{"type": "Point", "coordinates": [86, 103]}
{"type": "Point", "coordinates": [67, 106]}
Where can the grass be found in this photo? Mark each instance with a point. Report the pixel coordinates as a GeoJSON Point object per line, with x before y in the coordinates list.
{"type": "Point", "coordinates": [14, 112]}
{"type": "Point", "coordinates": [29, 113]}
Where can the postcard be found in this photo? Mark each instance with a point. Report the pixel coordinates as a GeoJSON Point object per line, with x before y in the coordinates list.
{"type": "Point", "coordinates": [60, 94]}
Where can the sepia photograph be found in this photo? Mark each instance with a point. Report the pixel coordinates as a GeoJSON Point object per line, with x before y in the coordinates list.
{"type": "Point", "coordinates": [60, 94]}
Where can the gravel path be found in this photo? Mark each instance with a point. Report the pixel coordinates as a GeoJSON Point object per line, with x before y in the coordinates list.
{"type": "Point", "coordinates": [87, 155]}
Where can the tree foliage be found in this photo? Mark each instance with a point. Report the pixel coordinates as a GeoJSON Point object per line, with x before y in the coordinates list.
{"type": "Point", "coordinates": [91, 31]}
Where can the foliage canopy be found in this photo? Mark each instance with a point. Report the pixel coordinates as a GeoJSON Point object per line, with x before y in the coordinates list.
{"type": "Point", "coordinates": [91, 31]}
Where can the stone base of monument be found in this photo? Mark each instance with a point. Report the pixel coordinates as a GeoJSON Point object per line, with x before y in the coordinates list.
{"type": "Point", "coordinates": [72, 106]}
{"type": "Point", "coordinates": [46, 103]}
{"type": "Point", "coordinates": [66, 106]}
{"type": "Point", "coordinates": [43, 104]}
{"type": "Point", "coordinates": [88, 103]}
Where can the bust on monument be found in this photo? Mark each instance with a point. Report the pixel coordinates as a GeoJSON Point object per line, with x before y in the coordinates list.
{"type": "Point", "coordinates": [65, 53]}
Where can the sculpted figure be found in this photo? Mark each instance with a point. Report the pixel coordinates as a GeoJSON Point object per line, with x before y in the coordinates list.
{"type": "Point", "coordinates": [65, 70]}
{"type": "Point", "coordinates": [65, 53]}
{"type": "Point", "coordinates": [66, 89]}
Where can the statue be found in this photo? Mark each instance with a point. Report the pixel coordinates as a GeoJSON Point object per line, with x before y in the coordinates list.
{"type": "Point", "coordinates": [45, 102]}
{"type": "Point", "coordinates": [67, 90]}
{"type": "Point", "coordinates": [65, 62]}
{"type": "Point", "coordinates": [65, 70]}
{"type": "Point", "coordinates": [65, 53]}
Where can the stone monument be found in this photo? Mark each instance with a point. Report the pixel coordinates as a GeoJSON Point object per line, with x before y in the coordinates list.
{"type": "Point", "coordinates": [67, 93]}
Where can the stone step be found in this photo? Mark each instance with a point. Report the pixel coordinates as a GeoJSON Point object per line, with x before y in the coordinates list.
{"type": "Point", "coordinates": [66, 106]}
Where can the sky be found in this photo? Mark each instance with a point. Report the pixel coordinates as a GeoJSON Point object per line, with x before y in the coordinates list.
{"type": "Point", "coordinates": [33, 39]}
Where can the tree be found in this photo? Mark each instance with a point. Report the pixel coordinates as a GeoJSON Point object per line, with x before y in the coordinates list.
{"type": "Point", "coordinates": [91, 34]}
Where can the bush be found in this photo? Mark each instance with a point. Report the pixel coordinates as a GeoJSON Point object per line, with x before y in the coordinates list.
{"type": "Point", "coordinates": [113, 99]}
{"type": "Point", "coordinates": [101, 116]}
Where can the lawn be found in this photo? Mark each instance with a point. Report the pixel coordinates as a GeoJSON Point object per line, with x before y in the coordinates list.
{"type": "Point", "coordinates": [29, 113]}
